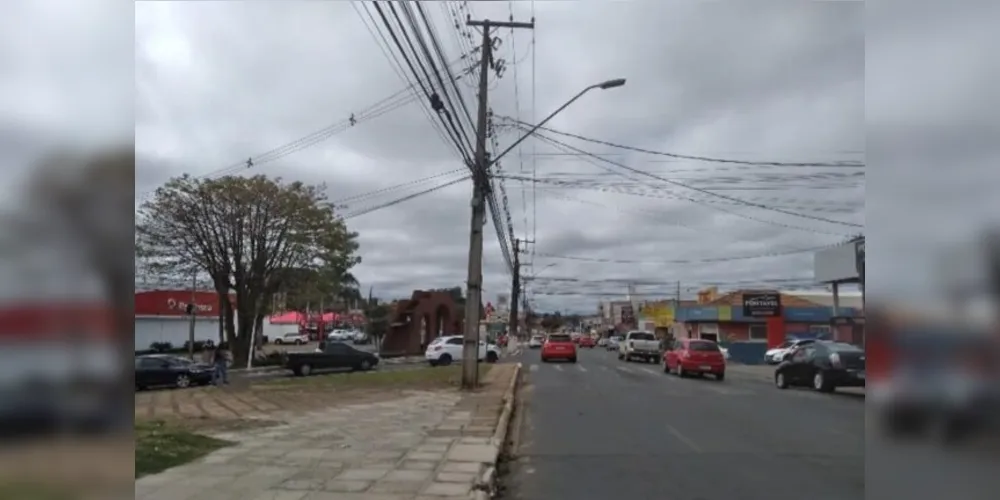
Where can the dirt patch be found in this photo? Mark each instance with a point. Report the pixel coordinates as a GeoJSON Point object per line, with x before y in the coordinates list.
{"type": "Point", "coordinates": [160, 446]}
{"type": "Point", "coordinates": [68, 467]}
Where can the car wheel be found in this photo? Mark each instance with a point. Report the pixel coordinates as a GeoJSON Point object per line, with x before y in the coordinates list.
{"type": "Point", "coordinates": [821, 384]}
{"type": "Point", "coordinates": [680, 371]}
{"type": "Point", "coordinates": [277, 341]}
{"type": "Point", "coordinates": [572, 360]}
{"type": "Point", "coordinates": [183, 381]}
{"type": "Point", "coordinates": [779, 381]}
{"type": "Point", "coordinates": [305, 370]}
{"type": "Point", "coordinates": [720, 376]}
{"type": "Point", "coordinates": [666, 367]}
{"type": "Point", "coordinates": [365, 365]}
{"type": "Point", "coordinates": [444, 360]}
{"type": "Point", "coordinates": [491, 357]}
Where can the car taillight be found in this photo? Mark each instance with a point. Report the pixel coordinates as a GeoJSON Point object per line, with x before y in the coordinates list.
{"type": "Point", "coordinates": [835, 360]}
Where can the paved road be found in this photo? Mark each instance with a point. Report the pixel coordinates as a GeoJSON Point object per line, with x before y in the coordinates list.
{"type": "Point", "coordinates": [603, 429]}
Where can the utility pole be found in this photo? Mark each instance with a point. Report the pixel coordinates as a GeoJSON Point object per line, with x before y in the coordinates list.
{"type": "Point", "coordinates": [192, 311]}
{"type": "Point", "coordinates": [677, 302]}
{"type": "Point", "coordinates": [515, 293]}
{"type": "Point", "coordinates": [480, 185]}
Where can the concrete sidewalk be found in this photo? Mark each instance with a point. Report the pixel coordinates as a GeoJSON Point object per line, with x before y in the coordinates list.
{"type": "Point", "coordinates": [422, 445]}
{"type": "Point", "coordinates": [765, 373]}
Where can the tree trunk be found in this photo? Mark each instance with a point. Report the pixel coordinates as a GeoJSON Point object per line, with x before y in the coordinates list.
{"type": "Point", "coordinates": [222, 321]}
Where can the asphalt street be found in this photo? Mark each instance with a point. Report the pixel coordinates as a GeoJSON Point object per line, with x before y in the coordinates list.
{"type": "Point", "coordinates": [603, 428]}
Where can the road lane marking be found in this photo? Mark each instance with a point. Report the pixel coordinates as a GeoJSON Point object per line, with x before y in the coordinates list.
{"type": "Point", "coordinates": [559, 368]}
{"type": "Point", "coordinates": [623, 369]}
{"type": "Point", "coordinates": [533, 368]}
{"type": "Point", "coordinates": [649, 370]}
{"type": "Point", "coordinates": [581, 368]}
{"type": "Point", "coordinates": [604, 368]}
{"type": "Point", "coordinates": [684, 439]}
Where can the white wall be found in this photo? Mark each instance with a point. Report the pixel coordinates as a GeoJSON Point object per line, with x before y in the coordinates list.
{"type": "Point", "coordinates": [173, 330]}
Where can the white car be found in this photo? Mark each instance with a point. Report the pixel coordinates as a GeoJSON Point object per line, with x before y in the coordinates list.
{"type": "Point", "coordinates": [613, 343]}
{"type": "Point", "coordinates": [444, 351]}
{"type": "Point", "coordinates": [294, 338]}
{"type": "Point", "coordinates": [536, 342]}
{"type": "Point", "coordinates": [340, 335]}
{"type": "Point", "coordinates": [777, 355]}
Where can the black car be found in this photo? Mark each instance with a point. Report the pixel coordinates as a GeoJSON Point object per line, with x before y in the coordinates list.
{"type": "Point", "coordinates": [822, 365]}
{"type": "Point", "coordinates": [164, 370]}
{"type": "Point", "coordinates": [330, 356]}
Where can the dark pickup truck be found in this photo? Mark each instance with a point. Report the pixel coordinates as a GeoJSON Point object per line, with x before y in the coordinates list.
{"type": "Point", "coordinates": [330, 356]}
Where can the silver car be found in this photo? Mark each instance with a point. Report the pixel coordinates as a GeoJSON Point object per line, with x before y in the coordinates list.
{"type": "Point", "coordinates": [613, 343]}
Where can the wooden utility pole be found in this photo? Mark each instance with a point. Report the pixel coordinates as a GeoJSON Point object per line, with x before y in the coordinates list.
{"type": "Point", "coordinates": [515, 292]}
{"type": "Point", "coordinates": [480, 186]}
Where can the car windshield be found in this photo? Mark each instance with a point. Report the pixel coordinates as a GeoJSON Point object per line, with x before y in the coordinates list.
{"type": "Point", "coordinates": [642, 336]}
{"type": "Point", "coordinates": [703, 346]}
{"type": "Point", "coordinates": [560, 338]}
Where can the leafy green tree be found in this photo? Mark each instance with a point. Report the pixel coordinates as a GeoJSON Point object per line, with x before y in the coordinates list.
{"type": "Point", "coordinates": [377, 318]}
{"type": "Point", "coordinates": [246, 234]}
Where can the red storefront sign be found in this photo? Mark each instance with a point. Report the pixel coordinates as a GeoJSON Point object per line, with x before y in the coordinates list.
{"type": "Point", "coordinates": [174, 303]}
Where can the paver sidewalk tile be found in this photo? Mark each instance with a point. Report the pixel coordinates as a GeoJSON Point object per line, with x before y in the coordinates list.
{"type": "Point", "coordinates": [347, 486]}
{"type": "Point", "coordinates": [362, 474]}
{"type": "Point", "coordinates": [472, 453]}
{"type": "Point", "coordinates": [407, 476]}
{"type": "Point", "coordinates": [279, 495]}
{"type": "Point", "coordinates": [456, 477]}
{"type": "Point", "coordinates": [398, 488]}
{"type": "Point", "coordinates": [467, 467]}
{"type": "Point", "coordinates": [419, 465]}
{"type": "Point", "coordinates": [446, 489]}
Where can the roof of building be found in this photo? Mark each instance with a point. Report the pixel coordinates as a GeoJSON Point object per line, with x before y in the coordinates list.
{"type": "Point", "coordinates": [735, 298]}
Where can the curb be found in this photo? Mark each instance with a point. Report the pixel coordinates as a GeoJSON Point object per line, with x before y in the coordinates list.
{"type": "Point", "coordinates": [485, 487]}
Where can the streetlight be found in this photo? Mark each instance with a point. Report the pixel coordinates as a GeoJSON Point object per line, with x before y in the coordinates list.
{"type": "Point", "coordinates": [610, 84]}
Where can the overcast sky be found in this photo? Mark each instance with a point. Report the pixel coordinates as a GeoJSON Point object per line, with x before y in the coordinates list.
{"type": "Point", "coordinates": [217, 83]}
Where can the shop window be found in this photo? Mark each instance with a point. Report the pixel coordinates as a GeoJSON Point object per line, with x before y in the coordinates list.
{"type": "Point", "coordinates": [821, 331]}
{"type": "Point", "coordinates": [758, 332]}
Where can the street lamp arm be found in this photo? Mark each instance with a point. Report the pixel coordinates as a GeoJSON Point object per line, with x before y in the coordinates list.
{"type": "Point", "coordinates": [610, 84]}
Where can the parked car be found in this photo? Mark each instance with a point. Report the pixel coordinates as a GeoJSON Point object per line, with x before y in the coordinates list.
{"type": "Point", "coordinates": [295, 338]}
{"type": "Point", "coordinates": [602, 342]}
{"type": "Point", "coordinates": [822, 365]}
{"type": "Point", "coordinates": [694, 357]}
{"type": "Point", "coordinates": [165, 370]}
{"type": "Point", "coordinates": [444, 351]}
{"type": "Point", "coordinates": [330, 356]}
{"type": "Point", "coordinates": [559, 346]}
{"type": "Point", "coordinates": [340, 336]}
{"type": "Point", "coordinates": [639, 345]}
{"type": "Point", "coordinates": [536, 342]}
{"type": "Point", "coordinates": [777, 355]}
{"type": "Point", "coordinates": [587, 341]}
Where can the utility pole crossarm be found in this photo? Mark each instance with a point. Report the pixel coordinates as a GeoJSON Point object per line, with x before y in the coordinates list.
{"type": "Point", "coordinates": [486, 23]}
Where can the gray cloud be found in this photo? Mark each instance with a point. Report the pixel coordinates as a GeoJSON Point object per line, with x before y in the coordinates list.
{"type": "Point", "coordinates": [220, 82]}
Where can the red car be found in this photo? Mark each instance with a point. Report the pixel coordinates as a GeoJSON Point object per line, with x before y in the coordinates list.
{"type": "Point", "coordinates": [587, 341]}
{"type": "Point", "coordinates": [695, 356]}
{"type": "Point", "coordinates": [559, 347]}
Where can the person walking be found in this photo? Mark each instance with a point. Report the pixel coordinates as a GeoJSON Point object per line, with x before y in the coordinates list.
{"type": "Point", "coordinates": [220, 363]}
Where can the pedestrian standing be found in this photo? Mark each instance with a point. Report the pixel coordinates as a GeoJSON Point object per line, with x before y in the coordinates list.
{"type": "Point", "coordinates": [220, 363]}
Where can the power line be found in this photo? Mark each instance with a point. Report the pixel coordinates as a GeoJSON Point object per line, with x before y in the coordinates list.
{"type": "Point", "coordinates": [739, 201]}
{"type": "Point", "coordinates": [690, 261]}
{"type": "Point", "coordinates": [841, 164]}
{"type": "Point", "coordinates": [397, 187]}
{"type": "Point", "coordinates": [406, 198]}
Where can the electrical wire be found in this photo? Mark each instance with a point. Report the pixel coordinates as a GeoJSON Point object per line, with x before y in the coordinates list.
{"type": "Point", "coordinates": [453, 134]}
{"type": "Point", "coordinates": [365, 211]}
{"type": "Point", "coordinates": [842, 164]}
{"type": "Point", "coordinates": [564, 146]}
{"type": "Point", "coordinates": [706, 260]}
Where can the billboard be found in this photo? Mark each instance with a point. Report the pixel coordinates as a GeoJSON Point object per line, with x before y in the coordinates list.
{"type": "Point", "coordinates": [859, 259]}
{"type": "Point", "coordinates": [761, 304]}
{"type": "Point", "coordinates": [662, 315]}
{"type": "Point", "coordinates": [839, 263]}
{"type": "Point", "coordinates": [628, 316]}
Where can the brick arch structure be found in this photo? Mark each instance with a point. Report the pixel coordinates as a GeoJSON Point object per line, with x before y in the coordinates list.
{"type": "Point", "coordinates": [438, 309]}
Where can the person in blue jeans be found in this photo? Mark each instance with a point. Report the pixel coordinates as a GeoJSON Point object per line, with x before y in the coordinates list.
{"type": "Point", "coordinates": [220, 363]}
